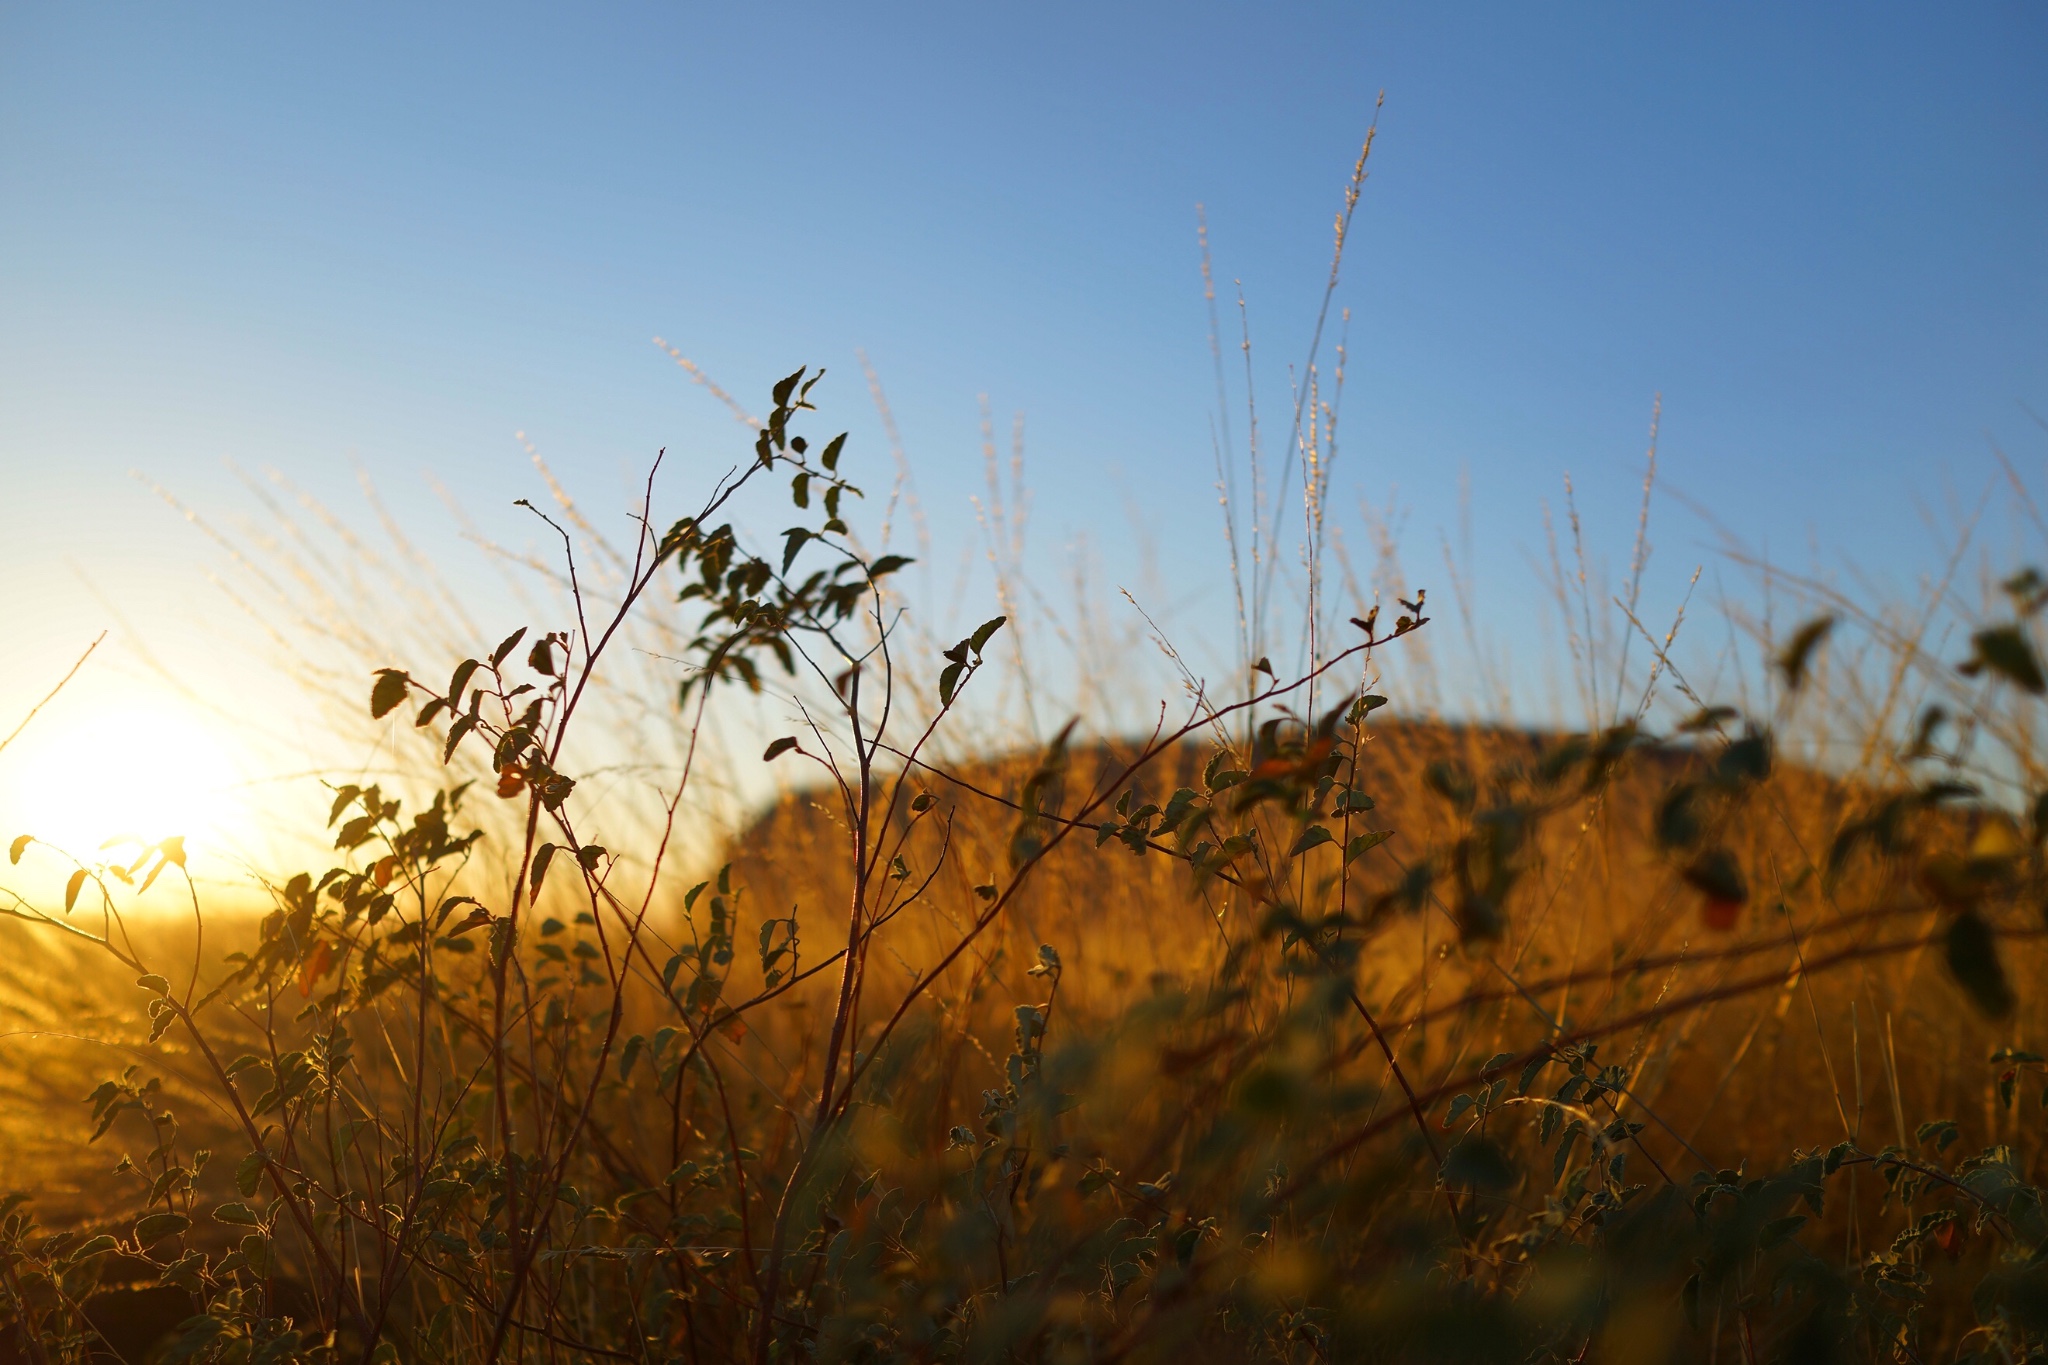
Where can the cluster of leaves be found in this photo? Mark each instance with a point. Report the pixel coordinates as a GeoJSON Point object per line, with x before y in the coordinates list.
{"type": "Point", "coordinates": [752, 605]}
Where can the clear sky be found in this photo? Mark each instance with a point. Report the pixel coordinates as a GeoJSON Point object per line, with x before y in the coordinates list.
{"type": "Point", "coordinates": [292, 236]}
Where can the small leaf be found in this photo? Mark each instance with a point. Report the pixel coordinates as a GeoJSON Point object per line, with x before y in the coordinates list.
{"type": "Point", "coordinates": [315, 966]}
{"type": "Point", "coordinates": [450, 906]}
{"type": "Point", "coordinates": [1708, 718]}
{"type": "Point", "coordinates": [2007, 652]}
{"type": "Point", "coordinates": [983, 633]}
{"type": "Point", "coordinates": [153, 982]}
{"type": "Point", "coordinates": [542, 856]}
{"type": "Point", "coordinates": [504, 650]}
{"type": "Point", "coordinates": [778, 749]}
{"type": "Point", "coordinates": [460, 680]}
{"type": "Point", "coordinates": [1792, 659]}
{"type": "Point", "coordinates": [475, 919]}
{"type": "Point", "coordinates": [1941, 1132]}
{"type": "Point", "coordinates": [388, 692]}
{"type": "Point", "coordinates": [887, 564]}
{"type": "Point", "coordinates": [456, 733]}
{"type": "Point", "coordinates": [238, 1215]}
{"type": "Point", "coordinates": [785, 387]}
{"type": "Point", "coordinates": [158, 1226]}
{"type": "Point", "coordinates": [949, 682]}
{"type": "Point", "coordinates": [541, 658]}
{"type": "Point", "coordinates": [72, 888]}
{"type": "Point", "coordinates": [97, 1246]}
{"type": "Point", "coordinates": [1971, 951]}
{"type": "Point", "coordinates": [1312, 837]}
{"type": "Point", "coordinates": [21, 841]}
{"type": "Point", "coordinates": [1365, 843]}
{"type": "Point", "coordinates": [792, 542]}
{"type": "Point", "coordinates": [1716, 875]}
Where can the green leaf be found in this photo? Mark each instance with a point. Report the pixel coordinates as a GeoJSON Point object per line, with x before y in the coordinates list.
{"type": "Point", "coordinates": [785, 387]}
{"type": "Point", "coordinates": [506, 646]}
{"type": "Point", "coordinates": [2008, 652]}
{"type": "Point", "coordinates": [97, 1246]}
{"type": "Point", "coordinates": [153, 982]}
{"type": "Point", "coordinates": [456, 734]}
{"type": "Point", "coordinates": [983, 633]}
{"type": "Point", "coordinates": [248, 1172]}
{"type": "Point", "coordinates": [158, 1226]}
{"type": "Point", "coordinates": [1365, 843]}
{"type": "Point", "coordinates": [1563, 1155]}
{"type": "Point", "coordinates": [542, 856]}
{"type": "Point", "coordinates": [1312, 837]}
{"type": "Point", "coordinates": [459, 680]}
{"type": "Point", "coordinates": [1971, 951]}
{"type": "Point", "coordinates": [830, 457]}
{"type": "Point", "coordinates": [1941, 1132]}
{"type": "Point", "coordinates": [388, 692]}
{"type": "Point", "coordinates": [240, 1215]}
{"type": "Point", "coordinates": [793, 541]}
{"type": "Point", "coordinates": [1792, 659]}
{"type": "Point", "coordinates": [777, 749]}
{"type": "Point", "coordinates": [887, 564]}
{"type": "Point", "coordinates": [949, 682]}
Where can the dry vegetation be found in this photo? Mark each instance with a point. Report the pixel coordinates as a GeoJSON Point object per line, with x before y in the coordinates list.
{"type": "Point", "coordinates": [1307, 1026]}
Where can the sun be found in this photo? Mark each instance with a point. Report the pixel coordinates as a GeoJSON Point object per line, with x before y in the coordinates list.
{"type": "Point", "coordinates": [101, 773]}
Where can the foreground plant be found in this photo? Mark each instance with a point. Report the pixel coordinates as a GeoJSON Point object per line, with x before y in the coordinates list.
{"type": "Point", "coordinates": [534, 1100]}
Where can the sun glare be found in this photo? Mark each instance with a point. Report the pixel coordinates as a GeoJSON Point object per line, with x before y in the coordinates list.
{"type": "Point", "coordinates": [104, 775]}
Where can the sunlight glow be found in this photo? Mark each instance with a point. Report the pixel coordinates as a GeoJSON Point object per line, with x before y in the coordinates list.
{"type": "Point", "coordinates": [132, 770]}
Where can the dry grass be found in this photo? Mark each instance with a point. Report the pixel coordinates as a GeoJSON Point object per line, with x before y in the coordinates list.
{"type": "Point", "coordinates": [1308, 1027]}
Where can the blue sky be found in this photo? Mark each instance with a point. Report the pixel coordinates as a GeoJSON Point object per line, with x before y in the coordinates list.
{"type": "Point", "coordinates": [296, 236]}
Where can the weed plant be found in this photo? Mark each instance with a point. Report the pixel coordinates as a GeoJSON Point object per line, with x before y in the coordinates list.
{"type": "Point", "coordinates": [1283, 1030]}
